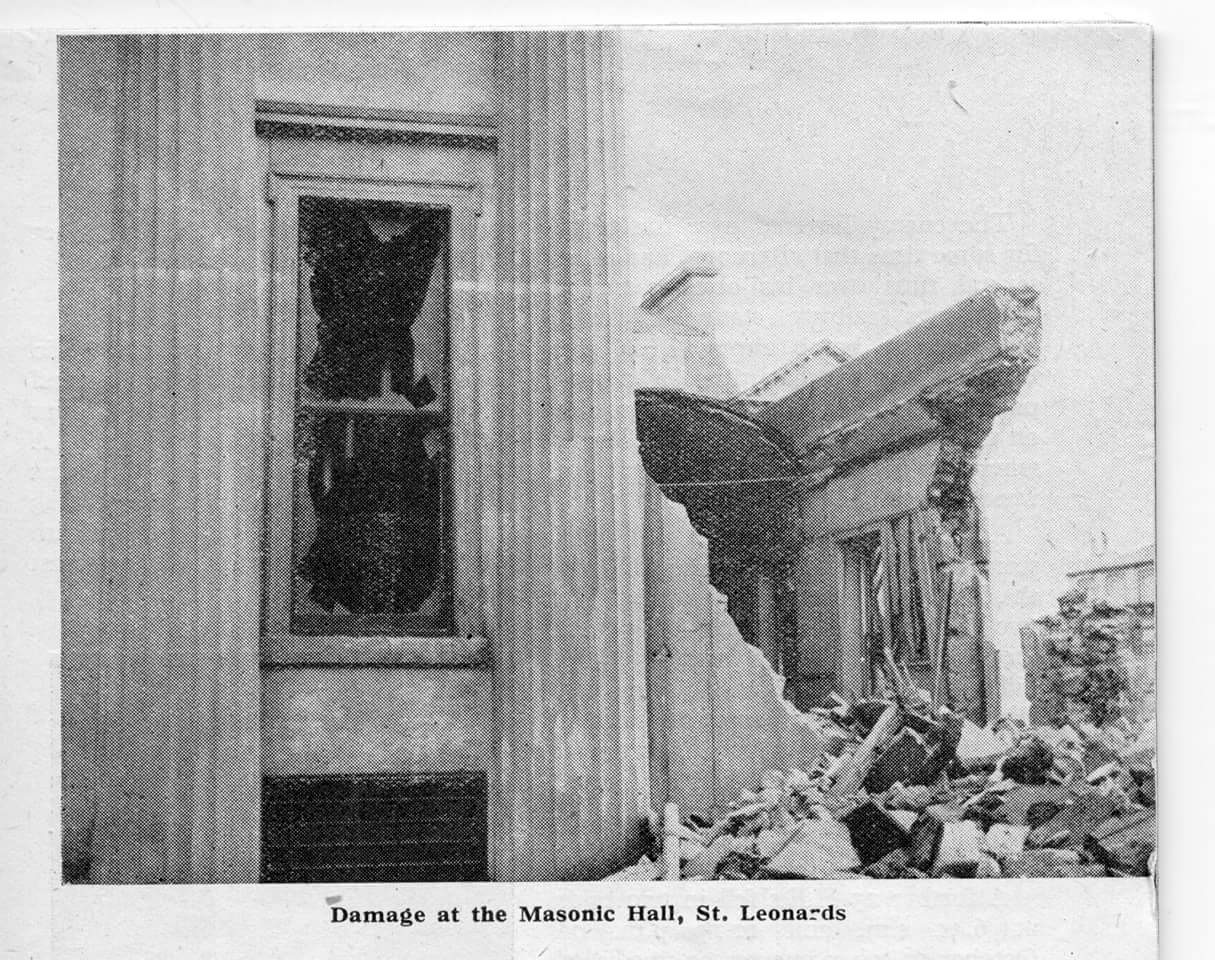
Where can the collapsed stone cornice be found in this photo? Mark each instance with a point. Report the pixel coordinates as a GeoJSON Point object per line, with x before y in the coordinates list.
{"type": "Point", "coordinates": [742, 476]}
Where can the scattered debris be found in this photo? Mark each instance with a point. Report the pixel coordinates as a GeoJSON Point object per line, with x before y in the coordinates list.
{"type": "Point", "coordinates": [1091, 660]}
{"type": "Point", "coordinates": [907, 791]}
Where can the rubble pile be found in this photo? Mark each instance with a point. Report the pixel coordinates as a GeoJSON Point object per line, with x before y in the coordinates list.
{"type": "Point", "coordinates": [1091, 660]}
{"type": "Point", "coordinates": [907, 793]}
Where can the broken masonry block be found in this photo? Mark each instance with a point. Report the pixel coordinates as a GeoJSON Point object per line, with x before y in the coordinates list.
{"type": "Point", "coordinates": [1006, 840]}
{"type": "Point", "coordinates": [906, 760]}
{"type": "Point", "coordinates": [1104, 772]}
{"type": "Point", "coordinates": [852, 773]}
{"type": "Point", "coordinates": [1033, 805]}
{"type": "Point", "coordinates": [820, 849]}
{"type": "Point", "coordinates": [1125, 842]}
{"type": "Point", "coordinates": [946, 812]}
{"type": "Point", "coordinates": [979, 749]}
{"type": "Point", "coordinates": [867, 712]}
{"type": "Point", "coordinates": [1030, 764]}
{"type": "Point", "coordinates": [958, 850]}
{"type": "Point", "coordinates": [874, 832]}
{"type": "Point", "coordinates": [925, 840]}
{"type": "Point", "coordinates": [1141, 753]}
{"type": "Point", "coordinates": [731, 821]}
{"type": "Point", "coordinates": [688, 849]}
{"type": "Point", "coordinates": [915, 797]}
{"type": "Point", "coordinates": [1051, 863]}
{"type": "Point", "coordinates": [768, 843]}
{"type": "Point", "coordinates": [983, 808]}
{"type": "Point", "coordinates": [1095, 755]}
{"type": "Point", "coordinates": [706, 862]}
{"type": "Point", "coordinates": [904, 818]}
{"type": "Point", "coordinates": [989, 868]}
{"type": "Point", "coordinates": [1145, 782]}
{"type": "Point", "coordinates": [890, 867]}
{"type": "Point", "coordinates": [738, 866]}
{"type": "Point", "coordinates": [1072, 824]}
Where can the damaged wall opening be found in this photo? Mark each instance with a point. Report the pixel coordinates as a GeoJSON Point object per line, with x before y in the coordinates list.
{"type": "Point", "coordinates": [374, 688]}
{"type": "Point", "coordinates": [832, 532]}
{"type": "Point", "coordinates": [370, 544]}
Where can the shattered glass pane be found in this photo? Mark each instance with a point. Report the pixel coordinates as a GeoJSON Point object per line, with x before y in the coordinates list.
{"type": "Point", "coordinates": [369, 509]}
{"type": "Point", "coordinates": [369, 545]}
{"type": "Point", "coordinates": [372, 304]}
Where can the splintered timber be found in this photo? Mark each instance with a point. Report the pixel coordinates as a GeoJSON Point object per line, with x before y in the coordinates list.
{"type": "Point", "coordinates": [633, 913]}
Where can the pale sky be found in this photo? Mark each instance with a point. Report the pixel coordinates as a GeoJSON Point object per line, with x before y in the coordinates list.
{"type": "Point", "coordinates": [852, 182]}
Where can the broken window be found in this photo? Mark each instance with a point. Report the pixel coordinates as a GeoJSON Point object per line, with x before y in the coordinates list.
{"type": "Point", "coordinates": [884, 602]}
{"type": "Point", "coordinates": [864, 599]}
{"type": "Point", "coordinates": [370, 539]}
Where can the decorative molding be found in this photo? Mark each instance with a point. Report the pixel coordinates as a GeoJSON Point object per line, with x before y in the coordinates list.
{"type": "Point", "coordinates": [277, 120]}
{"type": "Point", "coordinates": [286, 650]}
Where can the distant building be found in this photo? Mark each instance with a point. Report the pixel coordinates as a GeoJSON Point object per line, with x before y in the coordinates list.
{"type": "Point", "coordinates": [1096, 657]}
{"type": "Point", "coordinates": [1119, 580]}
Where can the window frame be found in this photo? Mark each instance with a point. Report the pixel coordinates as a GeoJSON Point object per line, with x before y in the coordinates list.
{"type": "Point", "coordinates": [854, 597]}
{"type": "Point", "coordinates": [916, 615]}
{"type": "Point", "coordinates": [464, 643]}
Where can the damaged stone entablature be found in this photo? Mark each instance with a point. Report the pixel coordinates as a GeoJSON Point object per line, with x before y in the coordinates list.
{"type": "Point", "coordinates": [889, 438]}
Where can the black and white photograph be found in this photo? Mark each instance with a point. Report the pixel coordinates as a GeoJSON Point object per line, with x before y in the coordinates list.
{"type": "Point", "coordinates": [702, 454]}
{"type": "Point", "coordinates": [524, 489]}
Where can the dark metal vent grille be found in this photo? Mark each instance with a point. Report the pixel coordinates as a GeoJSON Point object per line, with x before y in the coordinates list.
{"type": "Point", "coordinates": [394, 827]}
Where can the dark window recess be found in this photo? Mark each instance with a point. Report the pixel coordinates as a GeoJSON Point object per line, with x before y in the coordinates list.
{"type": "Point", "coordinates": [372, 526]}
{"type": "Point", "coordinates": [401, 828]}
{"type": "Point", "coordinates": [375, 486]}
{"type": "Point", "coordinates": [866, 553]}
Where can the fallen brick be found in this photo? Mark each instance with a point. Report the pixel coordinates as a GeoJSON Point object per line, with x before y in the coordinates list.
{"type": "Point", "coordinates": [874, 832]}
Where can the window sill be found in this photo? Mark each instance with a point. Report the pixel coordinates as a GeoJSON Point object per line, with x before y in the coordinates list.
{"type": "Point", "coordinates": [282, 650]}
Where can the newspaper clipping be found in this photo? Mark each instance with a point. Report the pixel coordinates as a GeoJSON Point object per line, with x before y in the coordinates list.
{"type": "Point", "coordinates": [608, 491]}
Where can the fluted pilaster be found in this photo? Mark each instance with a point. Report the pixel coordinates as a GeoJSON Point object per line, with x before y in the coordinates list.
{"type": "Point", "coordinates": [569, 671]}
{"type": "Point", "coordinates": [179, 391]}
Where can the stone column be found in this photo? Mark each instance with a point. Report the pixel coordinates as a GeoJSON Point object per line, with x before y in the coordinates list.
{"type": "Point", "coordinates": [571, 782]}
{"type": "Point", "coordinates": [174, 378]}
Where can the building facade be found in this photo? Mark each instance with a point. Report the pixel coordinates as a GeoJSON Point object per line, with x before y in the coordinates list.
{"type": "Point", "coordinates": [350, 511]}
{"type": "Point", "coordinates": [361, 576]}
{"type": "Point", "coordinates": [811, 545]}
